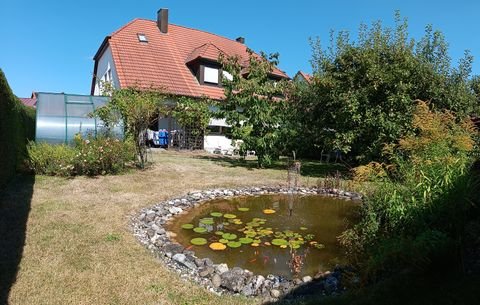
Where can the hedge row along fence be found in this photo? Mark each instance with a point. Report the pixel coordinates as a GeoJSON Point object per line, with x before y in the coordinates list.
{"type": "Point", "coordinates": [17, 127]}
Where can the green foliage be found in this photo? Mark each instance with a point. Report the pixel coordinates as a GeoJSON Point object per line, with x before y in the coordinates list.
{"type": "Point", "coordinates": [90, 156]}
{"type": "Point", "coordinates": [17, 127]}
{"type": "Point", "coordinates": [254, 105]}
{"type": "Point", "coordinates": [418, 208]}
{"type": "Point", "coordinates": [52, 160]}
{"type": "Point", "coordinates": [194, 114]}
{"type": "Point", "coordinates": [137, 108]}
{"type": "Point", "coordinates": [363, 93]}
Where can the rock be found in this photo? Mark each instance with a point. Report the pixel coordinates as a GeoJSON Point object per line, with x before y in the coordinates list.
{"type": "Point", "coordinates": [233, 280]}
{"type": "Point", "coordinates": [259, 281]}
{"type": "Point", "coordinates": [171, 249]}
{"type": "Point", "coordinates": [275, 293]}
{"type": "Point", "coordinates": [150, 216]}
{"type": "Point", "coordinates": [331, 284]}
{"type": "Point", "coordinates": [221, 268]}
{"type": "Point", "coordinates": [307, 279]}
{"type": "Point", "coordinates": [249, 289]}
{"type": "Point", "coordinates": [216, 280]}
{"type": "Point", "coordinates": [206, 271]}
{"type": "Point", "coordinates": [297, 282]}
{"type": "Point", "coordinates": [182, 260]}
{"type": "Point", "coordinates": [200, 262]}
{"type": "Point", "coordinates": [175, 210]}
{"type": "Point", "coordinates": [150, 232]}
{"type": "Point", "coordinates": [208, 262]}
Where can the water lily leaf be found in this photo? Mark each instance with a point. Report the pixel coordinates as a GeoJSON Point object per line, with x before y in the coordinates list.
{"type": "Point", "coordinates": [207, 221]}
{"type": "Point", "coordinates": [199, 241]}
{"type": "Point", "coordinates": [245, 240]}
{"type": "Point", "coordinates": [229, 236]}
{"type": "Point", "coordinates": [243, 209]}
{"type": "Point", "coordinates": [187, 226]}
{"type": "Point", "coordinates": [257, 241]}
{"type": "Point", "coordinates": [199, 230]}
{"type": "Point", "coordinates": [319, 246]}
{"type": "Point", "coordinates": [279, 242]}
{"type": "Point", "coordinates": [217, 246]}
{"type": "Point", "coordinates": [303, 228]}
{"type": "Point", "coordinates": [283, 246]}
{"type": "Point", "coordinates": [230, 216]}
{"type": "Point", "coordinates": [234, 244]}
{"type": "Point", "coordinates": [220, 233]}
{"type": "Point", "coordinates": [294, 246]}
{"type": "Point", "coordinates": [268, 211]}
{"type": "Point", "coordinates": [216, 214]}
{"type": "Point", "coordinates": [254, 244]}
{"type": "Point", "coordinates": [224, 241]}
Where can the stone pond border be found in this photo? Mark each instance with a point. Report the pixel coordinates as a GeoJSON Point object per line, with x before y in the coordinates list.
{"type": "Point", "coordinates": [219, 278]}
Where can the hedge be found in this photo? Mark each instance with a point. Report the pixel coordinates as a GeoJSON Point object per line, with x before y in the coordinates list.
{"type": "Point", "coordinates": [17, 127]}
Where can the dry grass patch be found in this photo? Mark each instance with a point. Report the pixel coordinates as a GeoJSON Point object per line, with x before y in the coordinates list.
{"type": "Point", "coordinates": [79, 248]}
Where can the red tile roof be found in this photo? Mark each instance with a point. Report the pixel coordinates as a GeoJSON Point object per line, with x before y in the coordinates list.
{"type": "Point", "coordinates": [30, 102]}
{"type": "Point", "coordinates": [161, 63]}
{"type": "Point", "coordinates": [306, 76]}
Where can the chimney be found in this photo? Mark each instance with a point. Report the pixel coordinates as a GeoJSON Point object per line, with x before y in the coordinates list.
{"type": "Point", "coordinates": [241, 39]}
{"type": "Point", "coordinates": [162, 20]}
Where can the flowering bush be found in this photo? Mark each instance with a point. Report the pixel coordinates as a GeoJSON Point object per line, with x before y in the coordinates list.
{"type": "Point", "coordinates": [90, 156]}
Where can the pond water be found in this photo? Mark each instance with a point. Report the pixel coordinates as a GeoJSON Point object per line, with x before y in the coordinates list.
{"type": "Point", "coordinates": [263, 233]}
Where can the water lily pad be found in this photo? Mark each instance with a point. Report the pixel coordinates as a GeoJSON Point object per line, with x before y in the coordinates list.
{"type": "Point", "coordinates": [229, 236]}
{"type": "Point", "coordinates": [199, 241]}
{"type": "Point", "coordinates": [230, 216]}
{"type": "Point", "coordinates": [257, 241]}
{"type": "Point", "coordinates": [216, 214]}
{"type": "Point", "coordinates": [283, 246]}
{"type": "Point", "coordinates": [220, 233]}
{"type": "Point", "coordinates": [245, 240]}
{"type": "Point", "coordinates": [217, 246]}
{"type": "Point", "coordinates": [199, 230]}
{"type": "Point", "coordinates": [319, 246]}
{"type": "Point", "coordinates": [254, 244]}
{"type": "Point", "coordinates": [243, 209]}
{"type": "Point", "coordinates": [268, 211]}
{"type": "Point", "coordinates": [234, 244]}
{"type": "Point", "coordinates": [303, 228]}
{"type": "Point", "coordinates": [279, 242]}
{"type": "Point", "coordinates": [207, 221]}
{"type": "Point", "coordinates": [187, 226]}
{"type": "Point", "coordinates": [224, 241]}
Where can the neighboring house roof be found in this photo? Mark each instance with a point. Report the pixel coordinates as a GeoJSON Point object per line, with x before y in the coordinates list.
{"type": "Point", "coordinates": [30, 102]}
{"type": "Point", "coordinates": [305, 76]}
{"type": "Point", "coordinates": [162, 62]}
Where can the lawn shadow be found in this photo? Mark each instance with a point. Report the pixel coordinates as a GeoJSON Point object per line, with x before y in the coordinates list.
{"type": "Point", "coordinates": [15, 201]}
{"type": "Point", "coordinates": [309, 168]}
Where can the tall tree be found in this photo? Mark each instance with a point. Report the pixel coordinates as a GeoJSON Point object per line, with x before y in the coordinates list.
{"type": "Point", "coordinates": [254, 105]}
{"type": "Point", "coordinates": [363, 92]}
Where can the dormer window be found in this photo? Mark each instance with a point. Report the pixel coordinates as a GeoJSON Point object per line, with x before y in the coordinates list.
{"type": "Point", "coordinates": [142, 38]}
{"type": "Point", "coordinates": [210, 75]}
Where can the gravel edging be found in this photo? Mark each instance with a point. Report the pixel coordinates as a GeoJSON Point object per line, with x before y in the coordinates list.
{"type": "Point", "coordinates": [219, 278]}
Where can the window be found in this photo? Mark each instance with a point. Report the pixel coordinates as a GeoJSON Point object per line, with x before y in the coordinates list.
{"type": "Point", "coordinates": [142, 37]}
{"type": "Point", "coordinates": [210, 75]}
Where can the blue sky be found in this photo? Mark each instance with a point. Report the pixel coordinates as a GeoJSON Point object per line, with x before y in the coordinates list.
{"type": "Point", "coordinates": [48, 45]}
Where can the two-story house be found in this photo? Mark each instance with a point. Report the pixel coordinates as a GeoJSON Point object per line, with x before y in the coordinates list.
{"type": "Point", "coordinates": [180, 60]}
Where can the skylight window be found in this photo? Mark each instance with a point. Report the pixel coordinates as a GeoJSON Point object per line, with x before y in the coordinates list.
{"type": "Point", "coordinates": [142, 37]}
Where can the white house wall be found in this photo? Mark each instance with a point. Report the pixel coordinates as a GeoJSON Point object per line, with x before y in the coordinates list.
{"type": "Point", "coordinates": [104, 63]}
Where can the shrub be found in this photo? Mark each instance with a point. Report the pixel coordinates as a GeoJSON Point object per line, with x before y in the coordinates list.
{"type": "Point", "coordinates": [52, 160]}
{"type": "Point", "coordinates": [90, 156]}
{"type": "Point", "coordinates": [418, 209]}
{"type": "Point", "coordinates": [17, 126]}
{"type": "Point", "coordinates": [102, 155]}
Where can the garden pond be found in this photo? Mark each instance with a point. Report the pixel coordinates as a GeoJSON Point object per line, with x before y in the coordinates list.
{"type": "Point", "coordinates": [283, 234]}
